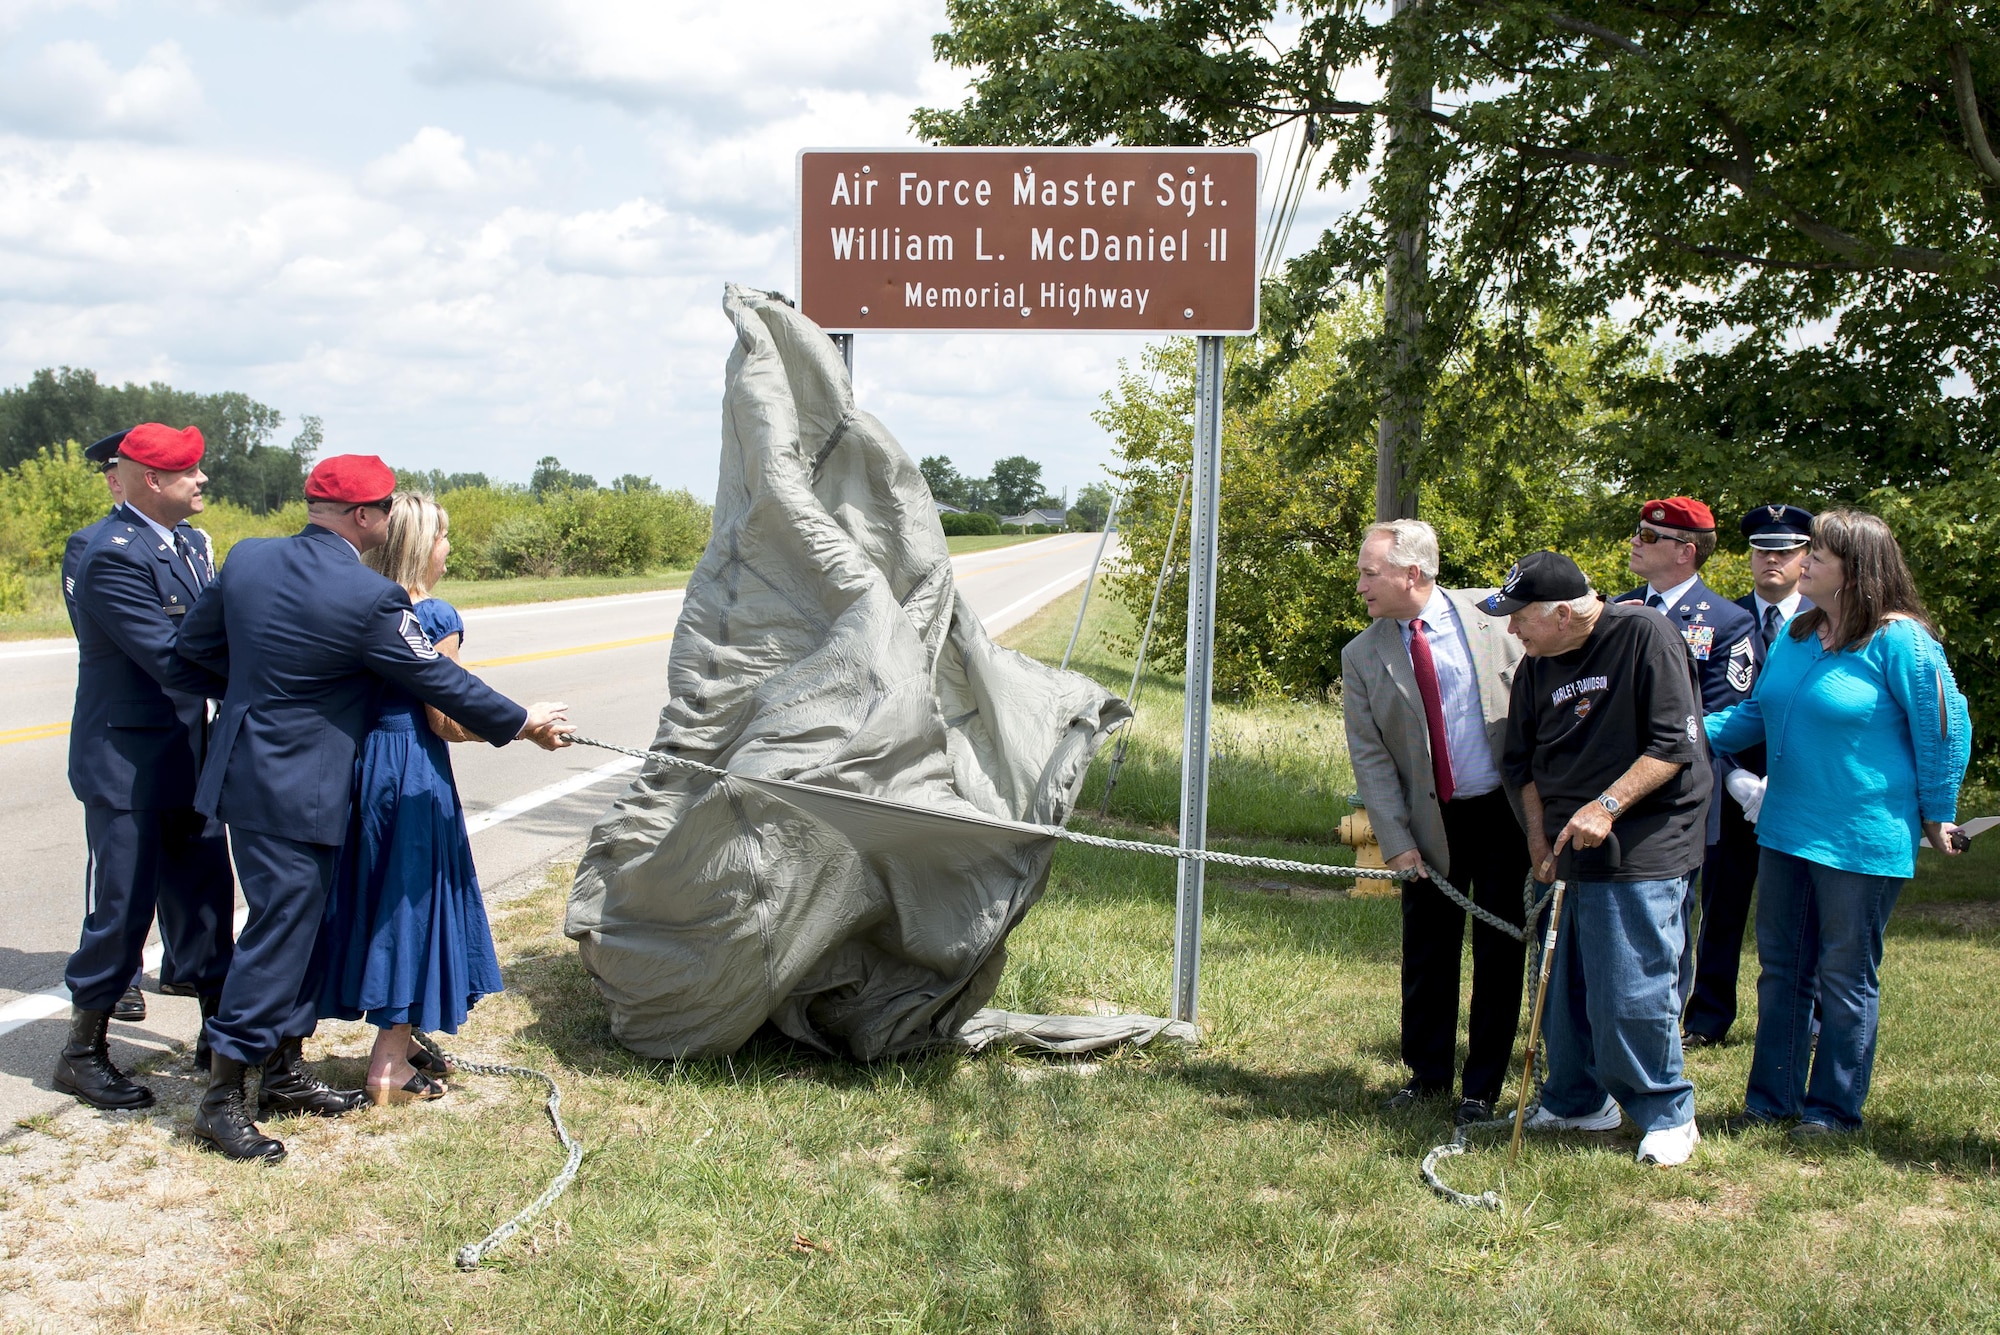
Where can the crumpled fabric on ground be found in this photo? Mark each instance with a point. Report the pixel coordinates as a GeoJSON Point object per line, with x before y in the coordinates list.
{"type": "Point", "coordinates": [822, 656]}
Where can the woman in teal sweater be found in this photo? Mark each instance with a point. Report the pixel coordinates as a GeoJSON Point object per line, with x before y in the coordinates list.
{"type": "Point", "coordinates": [1867, 738]}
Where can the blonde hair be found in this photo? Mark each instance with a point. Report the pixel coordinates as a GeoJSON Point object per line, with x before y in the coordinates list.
{"type": "Point", "coordinates": [416, 522]}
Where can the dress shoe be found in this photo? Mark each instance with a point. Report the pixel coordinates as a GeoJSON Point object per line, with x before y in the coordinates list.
{"type": "Point", "coordinates": [1818, 1133]}
{"type": "Point", "coordinates": [1745, 1122]}
{"type": "Point", "coordinates": [419, 1088]}
{"type": "Point", "coordinates": [84, 1069]}
{"type": "Point", "coordinates": [1472, 1110]}
{"type": "Point", "coordinates": [1606, 1118]}
{"type": "Point", "coordinates": [223, 1123]}
{"type": "Point", "coordinates": [290, 1089]}
{"type": "Point", "coordinates": [1409, 1096]}
{"type": "Point", "coordinates": [131, 1007]}
{"type": "Point", "coordinates": [1690, 1040]}
{"type": "Point", "coordinates": [210, 1003]}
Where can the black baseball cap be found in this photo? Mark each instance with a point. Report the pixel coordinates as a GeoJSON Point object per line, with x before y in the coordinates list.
{"type": "Point", "coordinates": [104, 453]}
{"type": "Point", "coordinates": [1777, 528]}
{"type": "Point", "coordinates": [1538, 577]}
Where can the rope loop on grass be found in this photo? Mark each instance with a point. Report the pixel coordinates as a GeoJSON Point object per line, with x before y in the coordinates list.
{"type": "Point", "coordinates": [1531, 906]}
{"type": "Point", "coordinates": [470, 1255]}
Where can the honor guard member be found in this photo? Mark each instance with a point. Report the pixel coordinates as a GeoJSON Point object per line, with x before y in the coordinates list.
{"type": "Point", "coordinates": [1670, 544]}
{"type": "Point", "coordinates": [1778, 537]}
{"type": "Point", "coordinates": [305, 634]}
{"type": "Point", "coordinates": [136, 747]}
{"type": "Point", "coordinates": [131, 1007]}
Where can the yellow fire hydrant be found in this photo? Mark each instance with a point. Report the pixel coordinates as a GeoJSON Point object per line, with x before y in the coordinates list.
{"type": "Point", "coordinates": [1358, 834]}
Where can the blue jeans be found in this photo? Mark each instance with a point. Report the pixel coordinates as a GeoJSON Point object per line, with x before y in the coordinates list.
{"type": "Point", "coordinates": [1816, 921]}
{"type": "Point", "coordinates": [1612, 1022]}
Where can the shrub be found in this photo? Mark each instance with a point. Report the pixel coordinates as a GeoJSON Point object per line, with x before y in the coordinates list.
{"type": "Point", "coordinates": [228, 523]}
{"type": "Point", "coordinates": [43, 500]}
{"type": "Point", "coordinates": [977, 524]}
{"type": "Point", "coordinates": [13, 592]}
{"type": "Point", "coordinates": [477, 515]}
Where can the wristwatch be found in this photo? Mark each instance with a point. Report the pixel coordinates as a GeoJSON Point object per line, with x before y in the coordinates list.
{"type": "Point", "coordinates": [1610, 803]}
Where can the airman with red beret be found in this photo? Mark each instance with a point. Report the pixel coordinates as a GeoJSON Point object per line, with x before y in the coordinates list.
{"type": "Point", "coordinates": [1672, 540]}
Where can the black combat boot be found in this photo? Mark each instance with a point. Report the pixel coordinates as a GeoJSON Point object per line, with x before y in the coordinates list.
{"type": "Point", "coordinates": [131, 1007]}
{"type": "Point", "coordinates": [223, 1120]}
{"type": "Point", "coordinates": [289, 1087]}
{"type": "Point", "coordinates": [210, 1003]}
{"type": "Point", "coordinates": [85, 1070]}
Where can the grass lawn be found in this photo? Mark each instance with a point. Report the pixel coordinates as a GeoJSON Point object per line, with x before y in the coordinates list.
{"type": "Point", "coordinates": [44, 617]}
{"type": "Point", "coordinates": [1249, 1184]}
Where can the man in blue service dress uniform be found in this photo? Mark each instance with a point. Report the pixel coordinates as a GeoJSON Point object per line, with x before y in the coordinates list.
{"type": "Point", "coordinates": [136, 747]}
{"type": "Point", "coordinates": [1670, 544]}
{"type": "Point", "coordinates": [305, 634]}
{"type": "Point", "coordinates": [1778, 536]}
{"type": "Point", "coordinates": [104, 453]}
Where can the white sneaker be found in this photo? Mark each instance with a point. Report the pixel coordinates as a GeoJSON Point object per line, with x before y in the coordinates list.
{"type": "Point", "coordinates": [1670, 1145]}
{"type": "Point", "coordinates": [1604, 1119]}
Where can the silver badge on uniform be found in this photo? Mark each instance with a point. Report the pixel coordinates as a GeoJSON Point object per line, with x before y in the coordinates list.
{"type": "Point", "coordinates": [413, 635]}
{"type": "Point", "coordinates": [1742, 667]}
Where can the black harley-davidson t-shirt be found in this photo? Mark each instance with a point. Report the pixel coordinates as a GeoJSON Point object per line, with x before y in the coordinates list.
{"type": "Point", "coordinates": [1578, 721]}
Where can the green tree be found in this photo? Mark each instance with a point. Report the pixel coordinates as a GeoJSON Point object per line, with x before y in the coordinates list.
{"type": "Point", "coordinates": [550, 476]}
{"type": "Point", "coordinates": [1017, 484]}
{"type": "Point", "coordinates": [1093, 502]}
{"type": "Point", "coordinates": [943, 480]}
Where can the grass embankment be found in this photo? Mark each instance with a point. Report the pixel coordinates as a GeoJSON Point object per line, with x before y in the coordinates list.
{"type": "Point", "coordinates": [44, 617]}
{"type": "Point", "coordinates": [1246, 1185]}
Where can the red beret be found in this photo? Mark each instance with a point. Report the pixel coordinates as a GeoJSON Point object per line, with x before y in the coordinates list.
{"type": "Point", "coordinates": [1683, 512]}
{"type": "Point", "coordinates": [162, 447]}
{"type": "Point", "coordinates": [356, 479]}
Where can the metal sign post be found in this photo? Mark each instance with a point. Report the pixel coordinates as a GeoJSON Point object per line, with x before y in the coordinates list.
{"type": "Point", "coordinates": [1057, 240]}
{"type": "Point", "coordinates": [1200, 670]}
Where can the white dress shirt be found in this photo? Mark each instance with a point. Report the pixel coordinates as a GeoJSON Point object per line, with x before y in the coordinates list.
{"type": "Point", "coordinates": [1671, 597]}
{"type": "Point", "coordinates": [1472, 769]}
{"type": "Point", "coordinates": [1788, 606]}
{"type": "Point", "coordinates": [167, 536]}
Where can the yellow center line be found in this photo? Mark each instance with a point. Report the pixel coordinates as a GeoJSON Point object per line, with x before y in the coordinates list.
{"type": "Point", "coordinates": [565, 653]}
{"type": "Point", "coordinates": [35, 733]}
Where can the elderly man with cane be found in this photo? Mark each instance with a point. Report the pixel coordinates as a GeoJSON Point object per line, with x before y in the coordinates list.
{"type": "Point", "coordinates": [1604, 731]}
{"type": "Point", "coordinates": [1425, 691]}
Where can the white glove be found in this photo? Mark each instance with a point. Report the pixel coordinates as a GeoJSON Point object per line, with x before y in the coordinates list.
{"type": "Point", "coordinates": [1748, 790]}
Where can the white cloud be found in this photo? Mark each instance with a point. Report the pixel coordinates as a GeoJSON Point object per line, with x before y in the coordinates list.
{"type": "Point", "coordinates": [712, 63]}
{"type": "Point", "coordinates": [435, 160]}
{"type": "Point", "coordinates": [69, 89]}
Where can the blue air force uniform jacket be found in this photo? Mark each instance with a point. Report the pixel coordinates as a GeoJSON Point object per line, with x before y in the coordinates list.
{"type": "Point", "coordinates": [137, 731]}
{"type": "Point", "coordinates": [1752, 758]}
{"type": "Point", "coordinates": [1722, 640]}
{"type": "Point", "coordinates": [305, 634]}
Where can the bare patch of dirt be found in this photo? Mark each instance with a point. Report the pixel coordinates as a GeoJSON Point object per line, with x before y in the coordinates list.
{"type": "Point", "coordinates": [1728, 1201]}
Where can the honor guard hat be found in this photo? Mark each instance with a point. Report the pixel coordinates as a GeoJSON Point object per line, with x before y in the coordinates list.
{"type": "Point", "coordinates": [104, 453]}
{"type": "Point", "coordinates": [1538, 577]}
{"type": "Point", "coordinates": [1777, 528]}
{"type": "Point", "coordinates": [169, 449]}
{"type": "Point", "coordinates": [1682, 512]}
{"type": "Point", "coordinates": [352, 479]}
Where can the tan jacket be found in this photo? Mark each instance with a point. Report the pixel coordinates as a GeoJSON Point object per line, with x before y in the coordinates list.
{"type": "Point", "coordinates": [1388, 741]}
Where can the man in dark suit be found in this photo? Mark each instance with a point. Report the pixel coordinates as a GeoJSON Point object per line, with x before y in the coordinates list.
{"type": "Point", "coordinates": [1670, 544]}
{"type": "Point", "coordinates": [1778, 536]}
{"type": "Point", "coordinates": [131, 1007]}
{"type": "Point", "coordinates": [136, 745]}
{"type": "Point", "coordinates": [305, 634]}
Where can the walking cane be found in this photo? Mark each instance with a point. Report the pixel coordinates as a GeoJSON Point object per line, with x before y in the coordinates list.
{"type": "Point", "coordinates": [1541, 999]}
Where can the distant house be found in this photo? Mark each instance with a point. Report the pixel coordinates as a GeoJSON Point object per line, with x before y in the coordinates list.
{"type": "Point", "coordinates": [944, 509]}
{"type": "Point", "coordinates": [1053, 518]}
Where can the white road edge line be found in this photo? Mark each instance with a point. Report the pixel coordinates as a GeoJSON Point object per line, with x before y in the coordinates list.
{"type": "Point", "coordinates": [35, 1006]}
{"type": "Point", "coordinates": [1074, 577]}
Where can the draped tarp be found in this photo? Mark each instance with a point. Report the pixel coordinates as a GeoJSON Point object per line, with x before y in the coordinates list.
{"type": "Point", "coordinates": [822, 656]}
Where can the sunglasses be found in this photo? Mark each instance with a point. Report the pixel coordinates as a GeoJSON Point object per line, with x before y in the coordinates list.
{"type": "Point", "coordinates": [1650, 536]}
{"type": "Point", "coordinates": [383, 505]}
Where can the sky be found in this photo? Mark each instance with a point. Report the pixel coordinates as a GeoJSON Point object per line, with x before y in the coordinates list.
{"type": "Point", "coordinates": [470, 233]}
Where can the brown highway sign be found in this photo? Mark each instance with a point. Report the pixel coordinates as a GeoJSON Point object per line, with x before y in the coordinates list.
{"type": "Point", "coordinates": [1036, 240]}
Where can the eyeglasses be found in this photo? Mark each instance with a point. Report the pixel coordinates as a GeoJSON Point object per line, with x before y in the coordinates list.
{"type": "Point", "coordinates": [1650, 536]}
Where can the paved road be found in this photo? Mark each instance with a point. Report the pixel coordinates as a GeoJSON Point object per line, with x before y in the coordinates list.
{"type": "Point", "coordinates": [606, 657]}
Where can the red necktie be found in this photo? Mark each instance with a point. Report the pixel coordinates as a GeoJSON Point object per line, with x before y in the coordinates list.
{"type": "Point", "coordinates": [1427, 687]}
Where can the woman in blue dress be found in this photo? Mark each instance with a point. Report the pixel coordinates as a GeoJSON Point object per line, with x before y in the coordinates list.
{"type": "Point", "coordinates": [405, 940]}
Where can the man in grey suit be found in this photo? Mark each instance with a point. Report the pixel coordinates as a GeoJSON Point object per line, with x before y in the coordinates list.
{"type": "Point", "coordinates": [1425, 691]}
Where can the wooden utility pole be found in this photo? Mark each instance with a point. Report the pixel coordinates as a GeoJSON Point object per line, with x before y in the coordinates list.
{"type": "Point", "coordinates": [1406, 177]}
